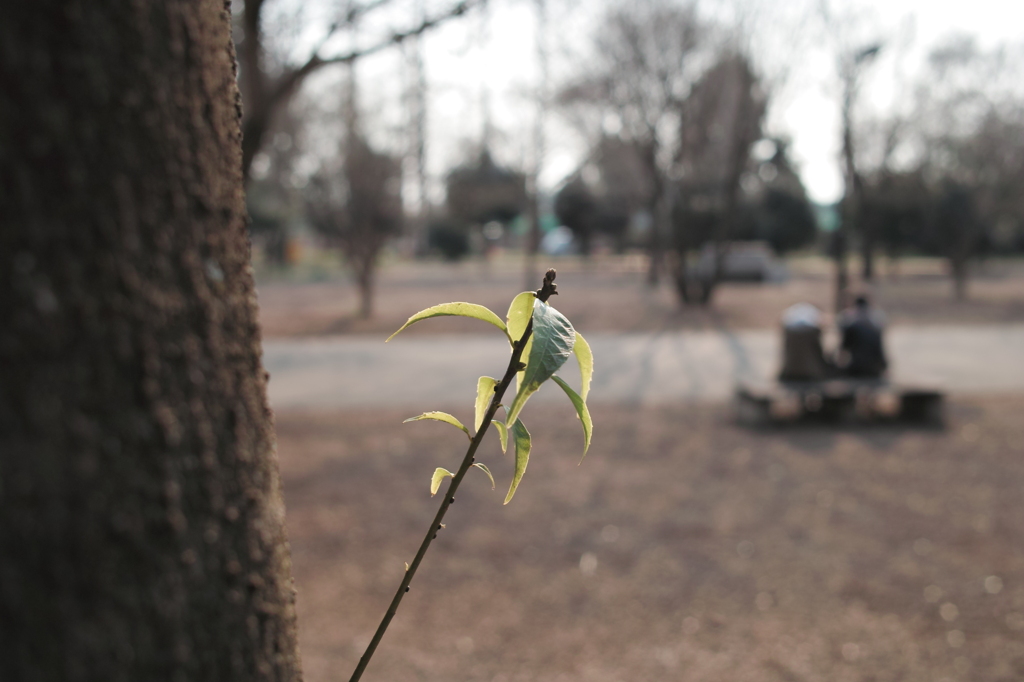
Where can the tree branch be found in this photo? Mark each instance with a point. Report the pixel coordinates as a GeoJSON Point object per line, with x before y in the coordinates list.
{"type": "Point", "coordinates": [355, 13]}
{"type": "Point", "coordinates": [399, 37]}
{"type": "Point", "coordinates": [290, 80]}
{"type": "Point", "coordinates": [546, 291]}
{"type": "Point", "coordinates": [259, 111]}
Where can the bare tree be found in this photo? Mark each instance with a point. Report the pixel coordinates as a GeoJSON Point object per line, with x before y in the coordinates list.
{"type": "Point", "coordinates": [993, 157]}
{"type": "Point", "coordinates": [960, 189]}
{"type": "Point", "coordinates": [605, 194]}
{"type": "Point", "coordinates": [896, 209]}
{"type": "Point", "coordinates": [851, 66]}
{"type": "Point", "coordinates": [357, 205]}
{"type": "Point", "coordinates": [721, 120]}
{"type": "Point", "coordinates": [143, 532]}
{"type": "Point", "coordinates": [416, 103]}
{"type": "Point", "coordinates": [622, 176]}
{"type": "Point", "coordinates": [640, 73]}
{"type": "Point", "coordinates": [968, 134]}
{"type": "Point", "coordinates": [268, 84]}
{"type": "Point", "coordinates": [955, 224]}
{"type": "Point", "coordinates": [272, 195]}
{"type": "Point", "coordinates": [854, 41]}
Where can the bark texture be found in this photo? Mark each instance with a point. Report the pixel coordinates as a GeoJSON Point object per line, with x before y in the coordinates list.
{"type": "Point", "coordinates": [141, 525]}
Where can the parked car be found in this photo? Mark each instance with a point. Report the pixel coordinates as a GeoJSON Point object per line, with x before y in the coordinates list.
{"type": "Point", "coordinates": [743, 262]}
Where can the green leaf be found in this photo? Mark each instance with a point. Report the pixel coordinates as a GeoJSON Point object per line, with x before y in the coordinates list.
{"type": "Point", "coordinates": [553, 339]}
{"type": "Point", "coordinates": [525, 358]}
{"type": "Point", "coordinates": [460, 309]}
{"type": "Point", "coordinates": [519, 314]}
{"type": "Point", "coordinates": [483, 468]}
{"type": "Point", "coordinates": [521, 438]}
{"type": "Point", "coordinates": [581, 411]}
{"type": "Point", "coordinates": [484, 394]}
{"type": "Point", "coordinates": [441, 417]}
{"type": "Point", "coordinates": [524, 393]}
{"type": "Point", "coordinates": [585, 359]}
{"type": "Point", "coordinates": [435, 480]}
{"type": "Point", "coordinates": [502, 434]}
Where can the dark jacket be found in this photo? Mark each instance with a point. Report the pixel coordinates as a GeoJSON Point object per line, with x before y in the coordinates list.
{"type": "Point", "coordinates": [802, 356]}
{"type": "Point", "coordinates": [862, 339]}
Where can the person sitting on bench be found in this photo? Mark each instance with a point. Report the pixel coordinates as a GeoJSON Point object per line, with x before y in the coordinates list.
{"type": "Point", "coordinates": [802, 356]}
{"type": "Point", "coordinates": [861, 331]}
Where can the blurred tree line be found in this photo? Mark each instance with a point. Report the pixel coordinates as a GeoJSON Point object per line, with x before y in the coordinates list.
{"type": "Point", "coordinates": [675, 107]}
{"type": "Point", "coordinates": [943, 178]}
{"type": "Point", "coordinates": [679, 158]}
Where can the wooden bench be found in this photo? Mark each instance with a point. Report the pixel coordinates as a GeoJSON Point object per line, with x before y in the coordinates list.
{"type": "Point", "coordinates": [840, 400]}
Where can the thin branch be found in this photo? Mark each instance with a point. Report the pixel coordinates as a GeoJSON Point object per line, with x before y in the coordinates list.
{"type": "Point", "coordinates": [287, 83]}
{"type": "Point", "coordinates": [514, 366]}
{"type": "Point", "coordinates": [399, 37]}
{"type": "Point", "coordinates": [352, 15]}
{"type": "Point", "coordinates": [357, 12]}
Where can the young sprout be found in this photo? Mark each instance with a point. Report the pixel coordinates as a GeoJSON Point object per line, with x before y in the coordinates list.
{"type": "Point", "coordinates": [542, 339]}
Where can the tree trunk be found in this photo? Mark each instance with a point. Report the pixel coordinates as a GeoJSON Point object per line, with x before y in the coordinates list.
{"type": "Point", "coordinates": [661, 217]}
{"type": "Point", "coordinates": [849, 218]}
{"type": "Point", "coordinates": [679, 266]}
{"type": "Point", "coordinates": [681, 278]}
{"type": "Point", "coordinates": [841, 277]}
{"type": "Point", "coordinates": [867, 251]}
{"type": "Point", "coordinates": [709, 283]}
{"type": "Point", "coordinates": [364, 281]}
{"type": "Point", "coordinates": [958, 268]}
{"type": "Point", "coordinates": [142, 531]}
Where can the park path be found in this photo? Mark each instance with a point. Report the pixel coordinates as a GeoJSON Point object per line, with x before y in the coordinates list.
{"type": "Point", "coordinates": [430, 372]}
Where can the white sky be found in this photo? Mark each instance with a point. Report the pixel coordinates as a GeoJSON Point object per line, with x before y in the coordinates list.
{"type": "Point", "coordinates": [805, 109]}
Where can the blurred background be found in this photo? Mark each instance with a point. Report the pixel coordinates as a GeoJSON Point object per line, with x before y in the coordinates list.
{"type": "Point", "coordinates": [691, 169]}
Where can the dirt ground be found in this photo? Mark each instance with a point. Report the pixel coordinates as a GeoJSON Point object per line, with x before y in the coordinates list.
{"type": "Point", "coordinates": [610, 294]}
{"type": "Point", "coordinates": [684, 548]}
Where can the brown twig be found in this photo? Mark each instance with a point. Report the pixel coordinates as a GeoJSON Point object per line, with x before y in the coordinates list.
{"type": "Point", "coordinates": [547, 290]}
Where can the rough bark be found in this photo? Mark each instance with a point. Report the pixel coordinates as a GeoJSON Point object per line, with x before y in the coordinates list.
{"type": "Point", "coordinates": [142, 531]}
